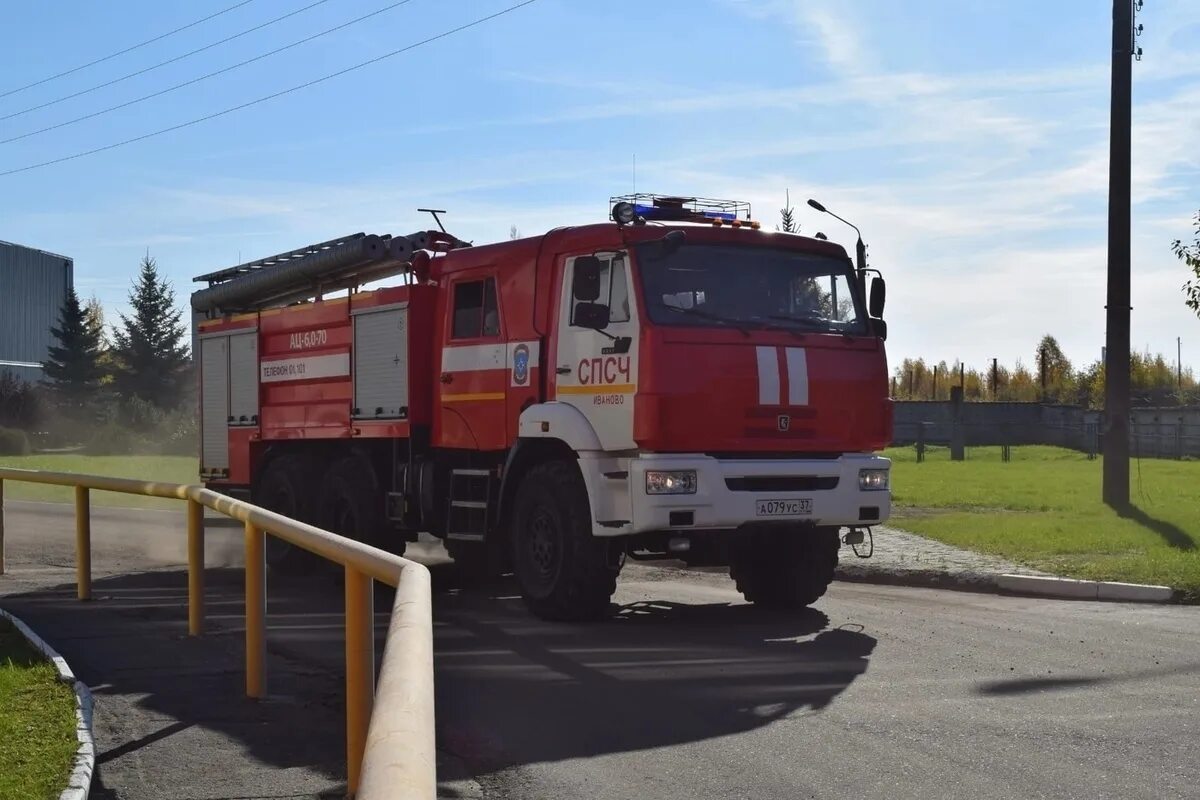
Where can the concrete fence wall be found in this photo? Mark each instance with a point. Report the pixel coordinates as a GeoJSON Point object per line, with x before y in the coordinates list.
{"type": "Point", "coordinates": [1154, 432]}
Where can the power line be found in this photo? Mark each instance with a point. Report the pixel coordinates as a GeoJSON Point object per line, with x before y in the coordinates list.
{"type": "Point", "coordinates": [162, 63]}
{"type": "Point", "coordinates": [160, 37]}
{"type": "Point", "coordinates": [221, 71]}
{"type": "Point", "coordinates": [296, 88]}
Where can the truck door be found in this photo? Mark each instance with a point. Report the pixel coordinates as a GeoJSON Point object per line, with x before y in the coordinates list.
{"type": "Point", "coordinates": [597, 345]}
{"type": "Point", "coordinates": [474, 374]}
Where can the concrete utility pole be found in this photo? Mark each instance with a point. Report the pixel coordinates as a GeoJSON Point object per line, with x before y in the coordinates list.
{"type": "Point", "coordinates": [1116, 367]}
{"type": "Point", "coordinates": [1179, 361]}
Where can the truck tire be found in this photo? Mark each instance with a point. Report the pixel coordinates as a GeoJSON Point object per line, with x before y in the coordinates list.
{"type": "Point", "coordinates": [565, 573]}
{"type": "Point", "coordinates": [785, 568]}
{"type": "Point", "coordinates": [352, 506]}
{"type": "Point", "coordinates": [286, 488]}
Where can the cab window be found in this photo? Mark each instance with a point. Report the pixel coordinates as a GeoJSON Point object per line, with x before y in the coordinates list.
{"type": "Point", "coordinates": [614, 289]}
{"type": "Point", "coordinates": [476, 313]}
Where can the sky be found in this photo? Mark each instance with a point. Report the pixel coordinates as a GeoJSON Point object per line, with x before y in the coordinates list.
{"type": "Point", "coordinates": [967, 139]}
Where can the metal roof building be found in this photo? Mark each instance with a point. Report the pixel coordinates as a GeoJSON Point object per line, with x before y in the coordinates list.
{"type": "Point", "coordinates": [33, 286]}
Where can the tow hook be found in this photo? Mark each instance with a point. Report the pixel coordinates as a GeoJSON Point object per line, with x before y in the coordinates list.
{"type": "Point", "coordinates": [855, 537]}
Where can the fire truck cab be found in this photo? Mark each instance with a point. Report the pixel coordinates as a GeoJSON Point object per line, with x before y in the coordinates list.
{"type": "Point", "coordinates": [675, 383]}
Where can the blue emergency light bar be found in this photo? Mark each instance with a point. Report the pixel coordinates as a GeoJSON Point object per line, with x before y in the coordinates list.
{"type": "Point", "coordinates": [669, 208]}
{"type": "Point", "coordinates": [651, 213]}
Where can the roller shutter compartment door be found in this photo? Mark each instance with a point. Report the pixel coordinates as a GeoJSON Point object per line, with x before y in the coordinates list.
{"type": "Point", "coordinates": [243, 378]}
{"type": "Point", "coordinates": [214, 409]}
{"type": "Point", "coordinates": [381, 364]}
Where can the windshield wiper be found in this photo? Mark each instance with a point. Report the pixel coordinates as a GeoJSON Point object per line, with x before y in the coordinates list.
{"type": "Point", "coordinates": [820, 325]}
{"type": "Point", "coordinates": [733, 323]}
{"type": "Point", "coordinates": [805, 322]}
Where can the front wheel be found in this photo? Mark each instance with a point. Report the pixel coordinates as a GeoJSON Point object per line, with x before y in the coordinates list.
{"type": "Point", "coordinates": [565, 572]}
{"type": "Point", "coordinates": [785, 567]}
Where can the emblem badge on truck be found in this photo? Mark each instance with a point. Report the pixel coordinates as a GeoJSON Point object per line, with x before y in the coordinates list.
{"type": "Point", "coordinates": [784, 422]}
{"type": "Point", "coordinates": [520, 370]}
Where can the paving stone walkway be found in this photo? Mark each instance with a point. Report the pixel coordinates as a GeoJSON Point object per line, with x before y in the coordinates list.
{"type": "Point", "coordinates": [903, 556]}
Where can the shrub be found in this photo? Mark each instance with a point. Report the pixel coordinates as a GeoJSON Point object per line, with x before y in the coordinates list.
{"type": "Point", "coordinates": [141, 415]}
{"type": "Point", "coordinates": [13, 442]}
{"type": "Point", "coordinates": [115, 440]}
{"type": "Point", "coordinates": [21, 404]}
{"type": "Point", "coordinates": [179, 434]}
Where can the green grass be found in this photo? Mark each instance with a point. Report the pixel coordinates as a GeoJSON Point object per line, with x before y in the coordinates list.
{"type": "Point", "coordinates": [171, 469]}
{"type": "Point", "coordinates": [37, 722]}
{"type": "Point", "coordinates": [1043, 509]}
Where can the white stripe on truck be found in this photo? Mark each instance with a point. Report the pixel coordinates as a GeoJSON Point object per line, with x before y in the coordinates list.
{"type": "Point", "coordinates": [768, 376]}
{"type": "Point", "coordinates": [472, 357]}
{"type": "Point", "coordinates": [797, 367]}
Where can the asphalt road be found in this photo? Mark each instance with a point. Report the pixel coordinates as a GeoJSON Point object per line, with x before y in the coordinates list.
{"type": "Point", "coordinates": [687, 693]}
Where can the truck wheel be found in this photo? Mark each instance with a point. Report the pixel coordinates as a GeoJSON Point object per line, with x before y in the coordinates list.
{"type": "Point", "coordinates": [353, 507]}
{"type": "Point", "coordinates": [286, 488]}
{"type": "Point", "coordinates": [785, 568]}
{"type": "Point", "coordinates": [565, 572]}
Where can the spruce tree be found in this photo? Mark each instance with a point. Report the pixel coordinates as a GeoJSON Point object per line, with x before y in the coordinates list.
{"type": "Point", "coordinates": [149, 347]}
{"type": "Point", "coordinates": [787, 216]}
{"type": "Point", "coordinates": [73, 370]}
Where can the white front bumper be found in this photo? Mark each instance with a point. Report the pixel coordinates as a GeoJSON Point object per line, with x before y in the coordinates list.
{"type": "Point", "coordinates": [621, 506]}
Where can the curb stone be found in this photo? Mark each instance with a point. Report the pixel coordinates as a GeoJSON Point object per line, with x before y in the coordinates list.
{"type": "Point", "coordinates": [1027, 585]}
{"type": "Point", "coordinates": [79, 784]}
{"type": "Point", "coordinates": [1087, 590]}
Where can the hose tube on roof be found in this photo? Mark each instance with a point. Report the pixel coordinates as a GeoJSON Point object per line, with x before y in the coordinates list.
{"type": "Point", "coordinates": [254, 288]}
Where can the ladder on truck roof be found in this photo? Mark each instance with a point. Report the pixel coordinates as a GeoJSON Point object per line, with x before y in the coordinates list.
{"type": "Point", "coordinates": [311, 271]}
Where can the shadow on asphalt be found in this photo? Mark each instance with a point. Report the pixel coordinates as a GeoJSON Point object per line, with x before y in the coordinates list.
{"type": "Point", "coordinates": [511, 689]}
{"type": "Point", "coordinates": [131, 642]}
{"type": "Point", "coordinates": [515, 690]}
{"type": "Point", "coordinates": [1034, 685]}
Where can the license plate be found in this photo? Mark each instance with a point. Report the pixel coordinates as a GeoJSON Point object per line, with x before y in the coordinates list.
{"type": "Point", "coordinates": [782, 508]}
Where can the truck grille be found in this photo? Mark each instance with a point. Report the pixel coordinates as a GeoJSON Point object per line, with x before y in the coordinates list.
{"type": "Point", "coordinates": [782, 483]}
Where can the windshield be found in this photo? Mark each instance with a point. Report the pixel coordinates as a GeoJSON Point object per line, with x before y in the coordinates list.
{"type": "Point", "coordinates": [742, 287]}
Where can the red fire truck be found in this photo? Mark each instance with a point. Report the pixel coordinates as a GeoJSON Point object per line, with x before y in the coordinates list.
{"type": "Point", "coordinates": [674, 383]}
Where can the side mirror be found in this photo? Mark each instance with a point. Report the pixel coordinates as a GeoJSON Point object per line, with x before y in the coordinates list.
{"type": "Point", "coordinates": [878, 298]}
{"type": "Point", "coordinates": [591, 315]}
{"type": "Point", "coordinates": [585, 281]}
{"type": "Point", "coordinates": [879, 328]}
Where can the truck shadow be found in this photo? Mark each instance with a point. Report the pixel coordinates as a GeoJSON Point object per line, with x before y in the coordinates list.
{"type": "Point", "coordinates": [515, 690]}
{"type": "Point", "coordinates": [511, 689]}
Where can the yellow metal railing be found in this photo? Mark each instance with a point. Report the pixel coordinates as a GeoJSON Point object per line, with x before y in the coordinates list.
{"type": "Point", "coordinates": [390, 749]}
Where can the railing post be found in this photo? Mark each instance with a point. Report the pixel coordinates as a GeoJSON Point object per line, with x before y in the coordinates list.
{"type": "Point", "coordinates": [360, 671]}
{"type": "Point", "coordinates": [256, 613]}
{"type": "Point", "coordinates": [83, 544]}
{"type": "Point", "coordinates": [195, 546]}
{"type": "Point", "coordinates": [1, 526]}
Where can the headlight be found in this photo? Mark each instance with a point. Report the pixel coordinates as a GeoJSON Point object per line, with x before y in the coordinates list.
{"type": "Point", "coordinates": [677, 482]}
{"type": "Point", "coordinates": [872, 480]}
